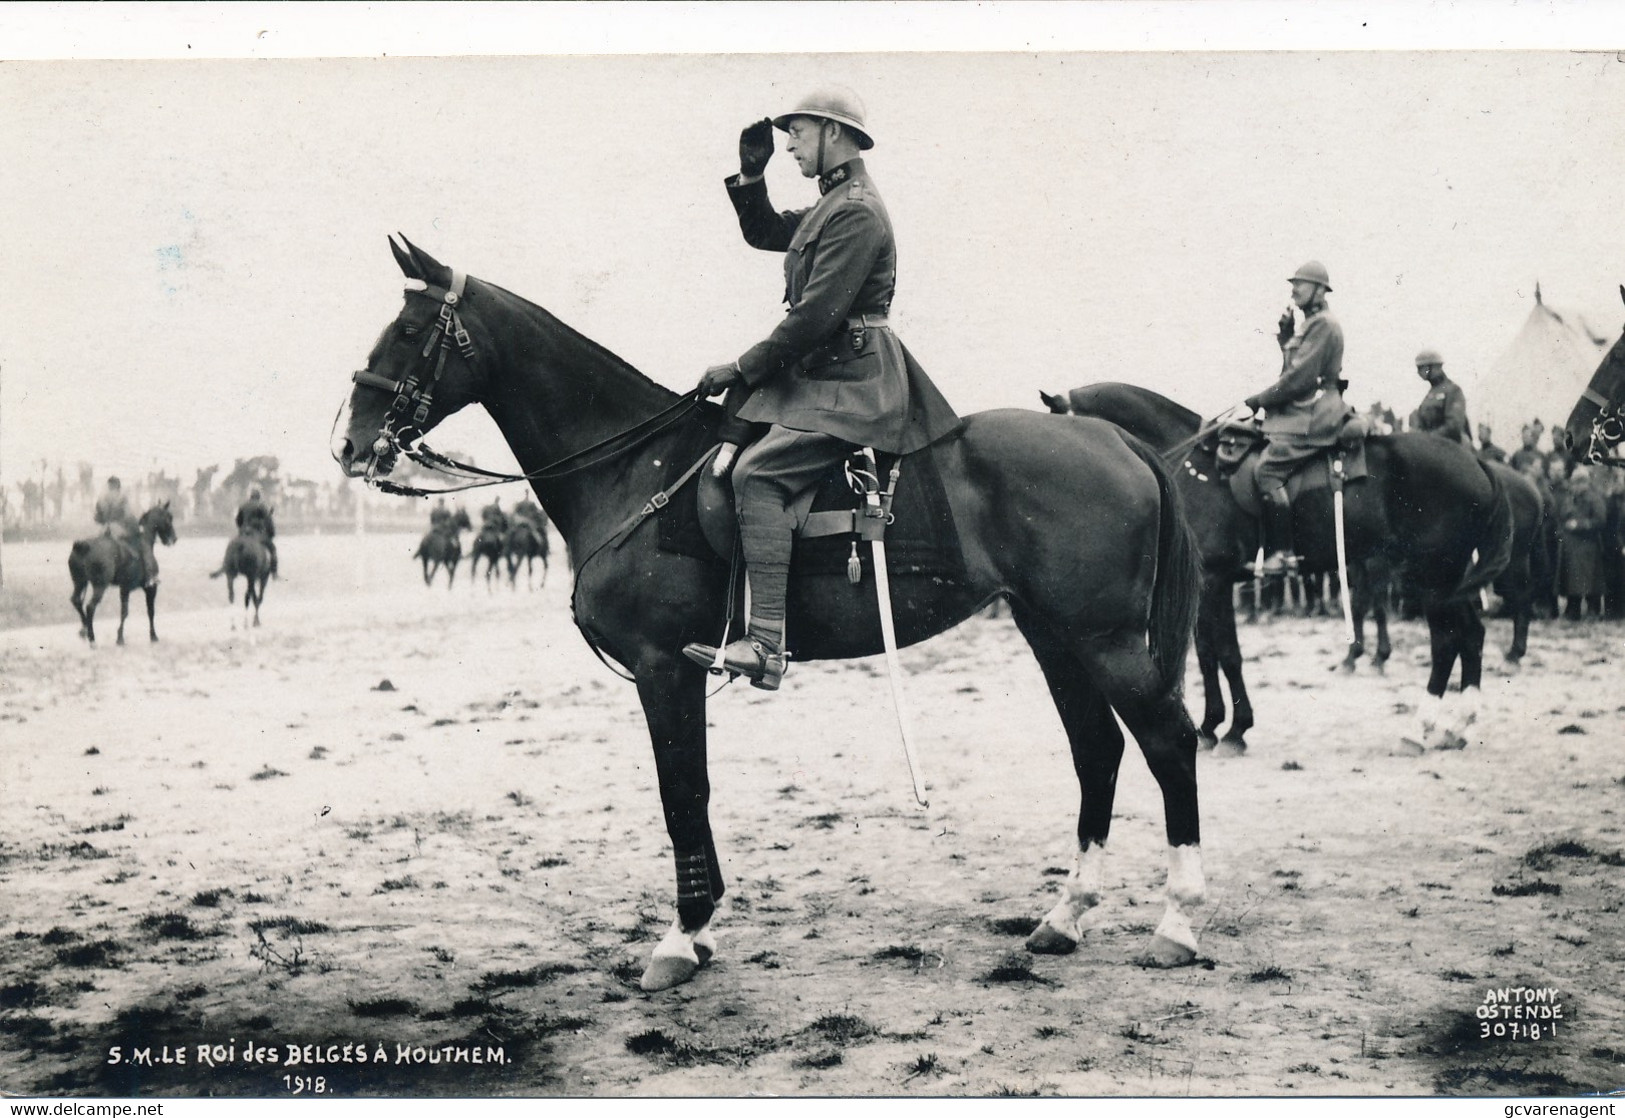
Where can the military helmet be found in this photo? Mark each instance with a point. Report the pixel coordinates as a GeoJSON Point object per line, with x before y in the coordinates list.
{"type": "Point", "coordinates": [831, 102]}
{"type": "Point", "coordinates": [1315, 272]}
{"type": "Point", "coordinates": [1428, 357]}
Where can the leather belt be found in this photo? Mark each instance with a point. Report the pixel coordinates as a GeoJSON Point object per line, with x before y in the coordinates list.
{"type": "Point", "coordinates": [867, 322]}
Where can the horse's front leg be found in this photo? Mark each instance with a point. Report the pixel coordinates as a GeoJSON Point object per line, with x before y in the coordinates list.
{"type": "Point", "coordinates": [1207, 661]}
{"type": "Point", "coordinates": [672, 691]}
{"type": "Point", "coordinates": [152, 603]}
{"type": "Point", "coordinates": [123, 610]}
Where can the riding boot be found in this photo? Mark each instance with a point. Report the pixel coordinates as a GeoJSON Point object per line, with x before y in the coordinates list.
{"type": "Point", "coordinates": [759, 654]}
{"type": "Point", "coordinates": [1278, 533]}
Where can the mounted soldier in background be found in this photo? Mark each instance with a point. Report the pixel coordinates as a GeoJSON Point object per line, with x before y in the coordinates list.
{"type": "Point", "coordinates": [1443, 411]}
{"type": "Point", "coordinates": [1304, 409]}
{"type": "Point", "coordinates": [113, 514]}
{"type": "Point", "coordinates": [254, 518]}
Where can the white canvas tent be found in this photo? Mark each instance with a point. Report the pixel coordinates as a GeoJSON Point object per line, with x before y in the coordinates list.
{"type": "Point", "coordinates": [1539, 375]}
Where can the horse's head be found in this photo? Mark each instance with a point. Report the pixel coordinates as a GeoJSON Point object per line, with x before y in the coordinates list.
{"type": "Point", "coordinates": [159, 522]}
{"type": "Point", "coordinates": [424, 367]}
{"type": "Point", "coordinates": [1597, 424]}
{"type": "Point", "coordinates": [461, 521]}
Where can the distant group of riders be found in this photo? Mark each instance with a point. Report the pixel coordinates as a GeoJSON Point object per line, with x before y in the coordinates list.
{"type": "Point", "coordinates": [517, 538]}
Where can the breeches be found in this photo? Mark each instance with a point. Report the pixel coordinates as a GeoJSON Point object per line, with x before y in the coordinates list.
{"type": "Point", "coordinates": [774, 482]}
{"type": "Point", "coordinates": [775, 477]}
{"type": "Point", "coordinates": [1282, 457]}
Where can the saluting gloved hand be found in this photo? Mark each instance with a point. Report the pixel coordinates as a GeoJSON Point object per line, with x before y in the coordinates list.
{"type": "Point", "coordinates": [755, 147]}
{"type": "Point", "coordinates": [1251, 404]}
{"type": "Point", "coordinates": [1285, 328]}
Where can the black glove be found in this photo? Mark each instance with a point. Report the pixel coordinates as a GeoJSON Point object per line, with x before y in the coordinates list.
{"type": "Point", "coordinates": [1285, 328]}
{"type": "Point", "coordinates": [755, 147]}
{"type": "Point", "coordinates": [1251, 403]}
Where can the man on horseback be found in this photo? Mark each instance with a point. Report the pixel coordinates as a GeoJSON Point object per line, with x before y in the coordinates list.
{"type": "Point", "coordinates": [831, 375]}
{"type": "Point", "coordinates": [113, 514]}
{"type": "Point", "coordinates": [1443, 411]}
{"type": "Point", "coordinates": [440, 517]}
{"type": "Point", "coordinates": [1304, 409]}
{"type": "Point", "coordinates": [254, 518]}
{"type": "Point", "coordinates": [492, 517]}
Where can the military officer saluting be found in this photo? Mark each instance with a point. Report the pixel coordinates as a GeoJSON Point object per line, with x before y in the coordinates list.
{"type": "Point", "coordinates": [1304, 409]}
{"type": "Point", "coordinates": [1443, 410]}
{"type": "Point", "coordinates": [831, 375]}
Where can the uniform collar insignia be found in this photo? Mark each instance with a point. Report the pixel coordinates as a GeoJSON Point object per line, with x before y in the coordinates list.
{"type": "Point", "coordinates": [837, 175]}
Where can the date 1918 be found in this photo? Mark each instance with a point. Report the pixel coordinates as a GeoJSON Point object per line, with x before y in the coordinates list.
{"type": "Point", "coordinates": [299, 1084]}
{"type": "Point", "coordinates": [1516, 1030]}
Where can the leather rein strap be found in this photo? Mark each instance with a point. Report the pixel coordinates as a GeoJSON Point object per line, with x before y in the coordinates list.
{"type": "Point", "coordinates": [447, 333]}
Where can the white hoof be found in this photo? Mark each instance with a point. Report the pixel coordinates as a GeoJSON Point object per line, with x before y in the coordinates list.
{"type": "Point", "coordinates": [1050, 938]}
{"type": "Point", "coordinates": [678, 955]}
{"type": "Point", "coordinates": [1174, 942]}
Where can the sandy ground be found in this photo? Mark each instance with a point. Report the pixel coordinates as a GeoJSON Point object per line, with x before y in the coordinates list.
{"type": "Point", "coordinates": [246, 841]}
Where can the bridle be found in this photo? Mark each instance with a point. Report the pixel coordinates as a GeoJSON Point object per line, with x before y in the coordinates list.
{"type": "Point", "coordinates": [402, 431]}
{"type": "Point", "coordinates": [1607, 429]}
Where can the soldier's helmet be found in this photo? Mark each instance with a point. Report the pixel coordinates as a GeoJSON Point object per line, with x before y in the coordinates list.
{"type": "Point", "coordinates": [1315, 272]}
{"type": "Point", "coordinates": [831, 102]}
{"type": "Point", "coordinates": [112, 483]}
{"type": "Point", "coordinates": [1428, 357]}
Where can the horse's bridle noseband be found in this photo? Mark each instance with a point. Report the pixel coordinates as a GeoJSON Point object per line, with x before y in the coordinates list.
{"type": "Point", "coordinates": [447, 333]}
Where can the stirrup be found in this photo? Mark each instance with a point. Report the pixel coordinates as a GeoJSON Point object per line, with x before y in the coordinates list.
{"type": "Point", "coordinates": [1277, 564]}
{"type": "Point", "coordinates": [747, 656]}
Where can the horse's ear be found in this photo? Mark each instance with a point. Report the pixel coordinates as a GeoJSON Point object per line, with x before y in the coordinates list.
{"type": "Point", "coordinates": [1053, 403]}
{"type": "Point", "coordinates": [430, 270]}
{"type": "Point", "coordinates": [1622, 292]}
{"type": "Point", "coordinates": [409, 268]}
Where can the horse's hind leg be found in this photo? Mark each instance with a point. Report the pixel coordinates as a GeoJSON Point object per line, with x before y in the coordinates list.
{"type": "Point", "coordinates": [1097, 750]}
{"type": "Point", "coordinates": [89, 613]}
{"type": "Point", "coordinates": [1154, 713]}
{"type": "Point", "coordinates": [78, 600]}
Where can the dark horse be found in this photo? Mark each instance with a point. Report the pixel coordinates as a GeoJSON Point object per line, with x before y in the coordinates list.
{"type": "Point", "coordinates": [1427, 505]}
{"type": "Point", "coordinates": [1596, 426]}
{"type": "Point", "coordinates": [1076, 523]}
{"type": "Point", "coordinates": [246, 555]}
{"type": "Point", "coordinates": [526, 543]}
{"type": "Point", "coordinates": [101, 561]}
{"type": "Point", "coordinates": [490, 544]}
{"type": "Point", "coordinates": [442, 546]}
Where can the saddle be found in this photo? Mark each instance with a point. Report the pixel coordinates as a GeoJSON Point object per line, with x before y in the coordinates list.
{"type": "Point", "coordinates": [1315, 473]}
{"type": "Point", "coordinates": [918, 527]}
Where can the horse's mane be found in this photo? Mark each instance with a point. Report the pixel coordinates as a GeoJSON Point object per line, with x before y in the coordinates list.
{"type": "Point", "coordinates": [553, 322]}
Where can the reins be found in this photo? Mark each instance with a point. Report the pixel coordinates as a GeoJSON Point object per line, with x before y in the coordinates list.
{"type": "Point", "coordinates": [417, 394]}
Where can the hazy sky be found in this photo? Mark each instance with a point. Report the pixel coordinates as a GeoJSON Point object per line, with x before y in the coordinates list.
{"type": "Point", "coordinates": [197, 259]}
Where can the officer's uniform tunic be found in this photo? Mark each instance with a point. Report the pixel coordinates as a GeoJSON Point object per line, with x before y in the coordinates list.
{"type": "Point", "coordinates": [832, 374]}
{"type": "Point", "coordinates": [1304, 408]}
{"type": "Point", "coordinates": [1443, 412]}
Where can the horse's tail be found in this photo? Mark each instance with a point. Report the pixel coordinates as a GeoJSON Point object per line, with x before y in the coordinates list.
{"type": "Point", "coordinates": [1177, 591]}
{"type": "Point", "coordinates": [1494, 542]}
{"type": "Point", "coordinates": [217, 574]}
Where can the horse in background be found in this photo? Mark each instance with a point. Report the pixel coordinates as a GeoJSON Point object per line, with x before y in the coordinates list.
{"type": "Point", "coordinates": [442, 546]}
{"type": "Point", "coordinates": [246, 555]}
{"type": "Point", "coordinates": [1426, 507]}
{"type": "Point", "coordinates": [1596, 426]}
{"type": "Point", "coordinates": [102, 561]}
{"type": "Point", "coordinates": [526, 543]}
{"type": "Point", "coordinates": [490, 544]}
